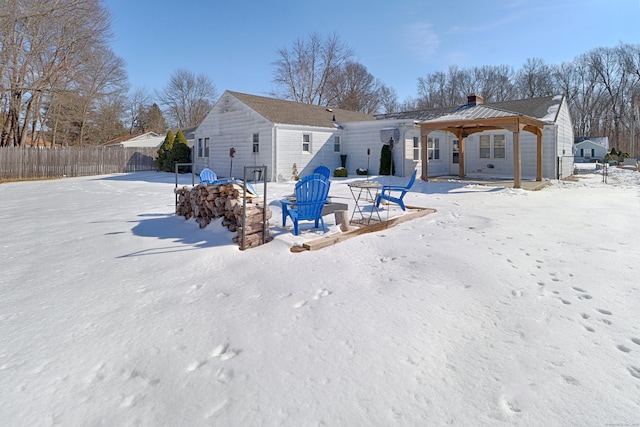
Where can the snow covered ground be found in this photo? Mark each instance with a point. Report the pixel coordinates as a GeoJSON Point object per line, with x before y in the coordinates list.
{"type": "Point", "coordinates": [505, 307]}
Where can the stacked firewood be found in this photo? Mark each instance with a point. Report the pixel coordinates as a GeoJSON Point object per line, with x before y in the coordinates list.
{"type": "Point", "coordinates": [208, 202]}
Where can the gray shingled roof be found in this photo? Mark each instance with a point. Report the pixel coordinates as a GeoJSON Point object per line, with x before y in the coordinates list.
{"type": "Point", "coordinates": [296, 113]}
{"type": "Point", "coordinates": [536, 108]}
{"type": "Point", "coordinates": [532, 107]}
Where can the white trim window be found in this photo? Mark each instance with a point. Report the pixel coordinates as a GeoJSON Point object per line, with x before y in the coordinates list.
{"type": "Point", "coordinates": [433, 148]}
{"type": "Point", "coordinates": [203, 147]}
{"type": "Point", "coordinates": [455, 151]}
{"type": "Point", "coordinates": [306, 143]}
{"type": "Point", "coordinates": [492, 149]}
{"type": "Point", "coordinates": [256, 142]}
{"type": "Point", "coordinates": [336, 144]}
{"type": "Point", "coordinates": [498, 146]}
{"type": "Point", "coordinates": [485, 146]}
{"type": "Point", "coordinates": [416, 148]}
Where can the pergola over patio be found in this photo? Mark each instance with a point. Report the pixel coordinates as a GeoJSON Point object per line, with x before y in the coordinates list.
{"type": "Point", "coordinates": [478, 118]}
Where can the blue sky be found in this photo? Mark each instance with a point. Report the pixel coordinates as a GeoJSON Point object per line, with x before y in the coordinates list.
{"type": "Point", "coordinates": [235, 41]}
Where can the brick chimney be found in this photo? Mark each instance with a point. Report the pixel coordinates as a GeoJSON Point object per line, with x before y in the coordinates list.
{"type": "Point", "coordinates": [474, 99]}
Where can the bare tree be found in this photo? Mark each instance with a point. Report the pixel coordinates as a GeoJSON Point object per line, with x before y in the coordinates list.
{"type": "Point", "coordinates": [306, 72]}
{"type": "Point", "coordinates": [612, 77]}
{"type": "Point", "coordinates": [106, 119]}
{"type": "Point", "coordinates": [188, 98]}
{"type": "Point", "coordinates": [440, 90]}
{"type": "Point", "coordinates": [137, 101]}
{"type": "Point", "coordinates": [43, 46]}
{"type": "Point", "coordinates": [535, 79]}
{"type": "Point", "coordinates": [389, 100]}
{"type": "Point", "coordinates": [101, 80]}
{"type": "Point", "coordinates": [432, 91]}
{"type": "Point", "coordinates": [493, 82]}
{"type": "Point", "coordinates": [355, 89]}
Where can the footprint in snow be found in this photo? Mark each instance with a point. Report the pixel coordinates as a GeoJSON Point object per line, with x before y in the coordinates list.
{"type": "Point", "coordinates": [570, 380]}
{"type": "Point", "coordinates": [194, 288]}
{"type": "Point", "coordinates": [129, 401]}
{"type": "Point", "coordinates": [195, 365]}
{"type": "Point", "coordinates": [509, 406]}
{"type": "Point", "coordinates": [634, 371]}
{"type": "Point", "coordinates": [224, 352]}
{"type": "Point", "coordinates": [623, 348]}
{"type": "Point", "coordinates": [321, 293]}
{"type": "Point", "coordinates": [635, 340]}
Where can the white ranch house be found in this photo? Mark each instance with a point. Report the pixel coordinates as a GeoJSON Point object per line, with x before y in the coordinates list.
{"type": "Point", "coordinates": [472, 140]}
{"type": "Point", "coordinates": [592, 149]}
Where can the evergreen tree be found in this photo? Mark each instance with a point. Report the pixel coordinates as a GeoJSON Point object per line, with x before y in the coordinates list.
{"type": "Point", "coordinates": [154, 120]}
{"type": "Point", "coordinates": [180, 152]}
{"type": "Point", "coordinates": [164, 161]}
{"type": "Point", "coordinates": [386, 161]}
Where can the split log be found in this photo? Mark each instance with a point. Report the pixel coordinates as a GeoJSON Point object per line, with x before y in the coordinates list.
{"type": "Point", "coordinates": [254, 219]}
{"type": "Point", "coordinates": [252, 228]}
{"type": "Point", "coordinates": [251, 240]}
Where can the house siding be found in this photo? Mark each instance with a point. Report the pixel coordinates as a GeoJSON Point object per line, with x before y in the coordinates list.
{"type": "Point", "coordinates": [232, 124]}
{"type": "Point", "coordinates": [289, 150]}
{"type": "Point", "coordinates": [363, 136]}
{"type": "Point", "coordinates": [564, 137]}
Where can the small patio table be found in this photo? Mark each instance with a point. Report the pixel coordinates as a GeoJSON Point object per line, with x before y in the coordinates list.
{"type": "Point", "coordinates": [364, 194]}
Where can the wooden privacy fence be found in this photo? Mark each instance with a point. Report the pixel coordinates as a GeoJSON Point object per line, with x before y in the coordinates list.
{"type": "Point", "coordinates": [32, 163]}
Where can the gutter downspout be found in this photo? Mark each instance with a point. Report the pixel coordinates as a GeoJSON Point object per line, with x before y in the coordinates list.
{"type": "Point", "coordinates": [404, 150]}
{"type": "Point", "coordinates": [274, 153]}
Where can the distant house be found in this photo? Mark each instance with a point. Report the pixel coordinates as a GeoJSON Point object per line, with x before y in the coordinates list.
{"type": "Point", "coordinates": [591, 149]}
{"type": "Point", "coordinates": [147, 139]}
{"type": "Point", "coordinates": [529, 138]}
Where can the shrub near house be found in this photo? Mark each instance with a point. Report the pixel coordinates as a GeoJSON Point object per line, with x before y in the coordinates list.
{"type": "Point", "coordinates": [173, 150]}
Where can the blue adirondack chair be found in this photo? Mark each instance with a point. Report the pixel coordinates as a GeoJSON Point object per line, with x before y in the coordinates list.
{"type": "Point", "coordinates": [311, 195]}
{"type": "Point", "coordinates": [323, 170]}
{"type": "Point", "coordinates": [385, 194]}
{"type": "Point", "coordinates": [207, 176]}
